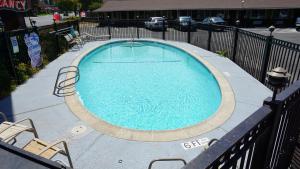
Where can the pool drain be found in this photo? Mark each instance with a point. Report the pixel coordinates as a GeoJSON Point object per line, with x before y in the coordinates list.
{"type": "Point", "coordinates": [78, 130]}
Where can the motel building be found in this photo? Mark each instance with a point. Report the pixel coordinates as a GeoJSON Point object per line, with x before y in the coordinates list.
{"type": "Point", "coordinates": [249, 12]}
{"type": "Point", "coordinates": [12, 12]}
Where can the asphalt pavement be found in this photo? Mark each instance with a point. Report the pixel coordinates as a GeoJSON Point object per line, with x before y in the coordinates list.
{"type": "Point", "coordinates": [43, 20]}
{"type": "Point", "coordinates": [287, 34]}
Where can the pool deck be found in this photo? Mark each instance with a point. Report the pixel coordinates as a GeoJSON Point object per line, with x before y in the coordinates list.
{"type": "Point", "coordinates": [92, 149]}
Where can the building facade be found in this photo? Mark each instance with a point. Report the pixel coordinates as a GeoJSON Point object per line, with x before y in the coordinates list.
{"type": "Point", "coordinates": [249, 12]}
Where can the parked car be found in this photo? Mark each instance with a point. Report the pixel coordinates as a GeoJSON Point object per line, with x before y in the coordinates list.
{"type": "Point", "coordinates": [298, 23]}
{"type": "Point", "coordinates": [156, 23]}
{"type": "Point", "coordinates": [214, 21]}
{"type": "Point", "coordinates": [182, 23]}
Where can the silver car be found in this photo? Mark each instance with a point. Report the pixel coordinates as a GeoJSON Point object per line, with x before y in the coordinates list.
{"type": "Point", "coordinates": [298, 23]}
{"type": "Point", "coordinates": [182, 23]}
{"type": "Point", "coordinates": [156, 23]}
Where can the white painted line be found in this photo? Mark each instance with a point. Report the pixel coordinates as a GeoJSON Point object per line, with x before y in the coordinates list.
{"type": "Point", "coordinates": [195, 143]}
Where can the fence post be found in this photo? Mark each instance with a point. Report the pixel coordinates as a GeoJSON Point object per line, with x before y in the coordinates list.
{"type": "Point", "coordinates": [164, 33]}
{"type": "Point", "coordinates": [209, 37]}
{"type": "Point", "coordinates": [99, 24]}
{"type": "Point", "coordinates": [276, 107]}
{"type": "Point", "coordinates": [69, 23]}
{"type": "Point", "coordinates": [266, 58]}
{"type": "Point", "coordinates": [137, 27]}
{"type": "Point", "coordinates": [235, 40]}
{"type": "Point", "coordinates": [108, 27]}
{"type": "Point", "coordinates": [56, 38]}
{"type": "Point", "coordinates": [78, 25]}
{"type": "Point", "coordinates": [189, 32]}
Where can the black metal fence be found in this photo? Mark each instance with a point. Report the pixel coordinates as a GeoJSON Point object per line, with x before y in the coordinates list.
{"type": "Point", "coordinates": [16, 63]}
{"type": "Point", "coordinates": [253, 52]}
{"type": "Point", "coordinates": [15, 67]}
{"type": "Point", "coordinates": [266, 139]}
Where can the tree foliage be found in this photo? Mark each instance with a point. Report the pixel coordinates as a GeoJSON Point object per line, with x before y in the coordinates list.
{"type": "Point", "coordinates": [91, 4]}
{"type": "Point", "coordinates": [69, 5]}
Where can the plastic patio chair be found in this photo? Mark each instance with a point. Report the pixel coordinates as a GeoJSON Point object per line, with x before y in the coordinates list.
{"type": "Point", "coordinates": [71, 41]}
{"type": "Point", "coordinates": [48, 150]}
{"type": "Point", "coordinates": [9, 130]}
{"type": "Point", "coordinates": [79, 38]}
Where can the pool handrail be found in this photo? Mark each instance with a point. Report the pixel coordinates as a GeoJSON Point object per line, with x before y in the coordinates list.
{"type": "Point", "coordinates": [59, 85]}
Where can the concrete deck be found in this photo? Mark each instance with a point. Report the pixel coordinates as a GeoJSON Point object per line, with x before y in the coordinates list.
{"type": "Point", "coordinates": [92, 149]}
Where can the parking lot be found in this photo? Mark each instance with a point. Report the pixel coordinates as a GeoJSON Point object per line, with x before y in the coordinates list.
{"type": "Point", "coordinates": [287, 34]}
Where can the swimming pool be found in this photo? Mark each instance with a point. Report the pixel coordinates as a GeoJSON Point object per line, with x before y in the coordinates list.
{"type": "Point", "coordinates": [148, 88]}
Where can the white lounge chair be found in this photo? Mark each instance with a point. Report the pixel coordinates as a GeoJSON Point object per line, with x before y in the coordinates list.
{"type": "Point", "coordinates": [48, 150]}
{"type": "Point", "coordinates": [79, 37]}
{"type": "Point", "coordinates": [90, 37]}
{"type": "Point", "coordinates": [9, 130]}
{"type": "Point", "coordinates": [71, 41]}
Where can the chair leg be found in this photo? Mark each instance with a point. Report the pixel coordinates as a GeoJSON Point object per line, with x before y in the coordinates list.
{"type": "Point", "coordinates": [14, 141]}
{"type": "Point", "coordinates": [33, 129]}
{"type": "Point", "coordinates": [68, 154]}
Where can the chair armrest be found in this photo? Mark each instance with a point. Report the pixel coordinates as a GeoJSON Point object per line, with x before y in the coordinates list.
{"type": "Point", "coordinates": [65, 152]}
{"type": "Point", "coordinates": [18, 122]}
{"type": "Point", "coordinates": [3, 116]}
{"type": "Point", "coordinates": [52, 145]}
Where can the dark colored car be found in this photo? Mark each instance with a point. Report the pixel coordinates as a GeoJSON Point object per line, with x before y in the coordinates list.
{"type": "Point", "coordinates": [182, 23]}
{"type": "Point", "coordinates": [213, 21]}
{"type": "Point", "coordinates": [298, 24]}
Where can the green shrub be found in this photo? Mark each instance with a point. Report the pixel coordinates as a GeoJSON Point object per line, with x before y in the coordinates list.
{"type": "Point", "coordinates": [22, 72]}
{"type": "Point", "coordinates": [222, 53]}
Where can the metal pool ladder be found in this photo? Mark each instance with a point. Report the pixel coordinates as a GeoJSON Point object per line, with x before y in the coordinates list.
{"type": "Point", "coordinates": [63, 82]}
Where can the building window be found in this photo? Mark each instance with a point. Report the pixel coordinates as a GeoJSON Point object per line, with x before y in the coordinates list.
{"type": "Point", "coordinates": [281, 14]}
{"type": "Point", "coordinates": [257, 14]}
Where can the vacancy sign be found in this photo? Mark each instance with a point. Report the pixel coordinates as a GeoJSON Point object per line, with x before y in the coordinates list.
{"type": "Point", "coordinates": [15, 5]}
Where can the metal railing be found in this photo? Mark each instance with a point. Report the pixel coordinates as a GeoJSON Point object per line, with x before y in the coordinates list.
{"type": "Point", "coordinates": [166, 159]}
{"type": "Point", "coordinates": [64, 86]}
{"type": "Point", "coordinates": [266, 139]}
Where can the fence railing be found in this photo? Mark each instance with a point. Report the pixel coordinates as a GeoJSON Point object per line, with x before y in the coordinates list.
{"type": "Point", "coordinates": [253, 52]}
{"type": "Point", "coordinates": [266, 139]}
{"type": "Point", "coordinates": [249, 144]}
{"type": "Point", "coordinates": [17, 64]}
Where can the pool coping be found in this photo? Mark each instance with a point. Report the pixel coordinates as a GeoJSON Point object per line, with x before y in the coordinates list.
{"type": "Point", "coordinates": [223, 113]}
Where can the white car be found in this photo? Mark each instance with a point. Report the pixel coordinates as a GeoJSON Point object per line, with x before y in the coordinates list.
{"type": "Point", "coordinates": [156, 23]}
{"type": "Point", "coordinates": [298, 23]}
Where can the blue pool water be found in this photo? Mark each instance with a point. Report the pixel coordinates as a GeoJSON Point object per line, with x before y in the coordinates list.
{"type": "Point", "coordinates": [147, 86]}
